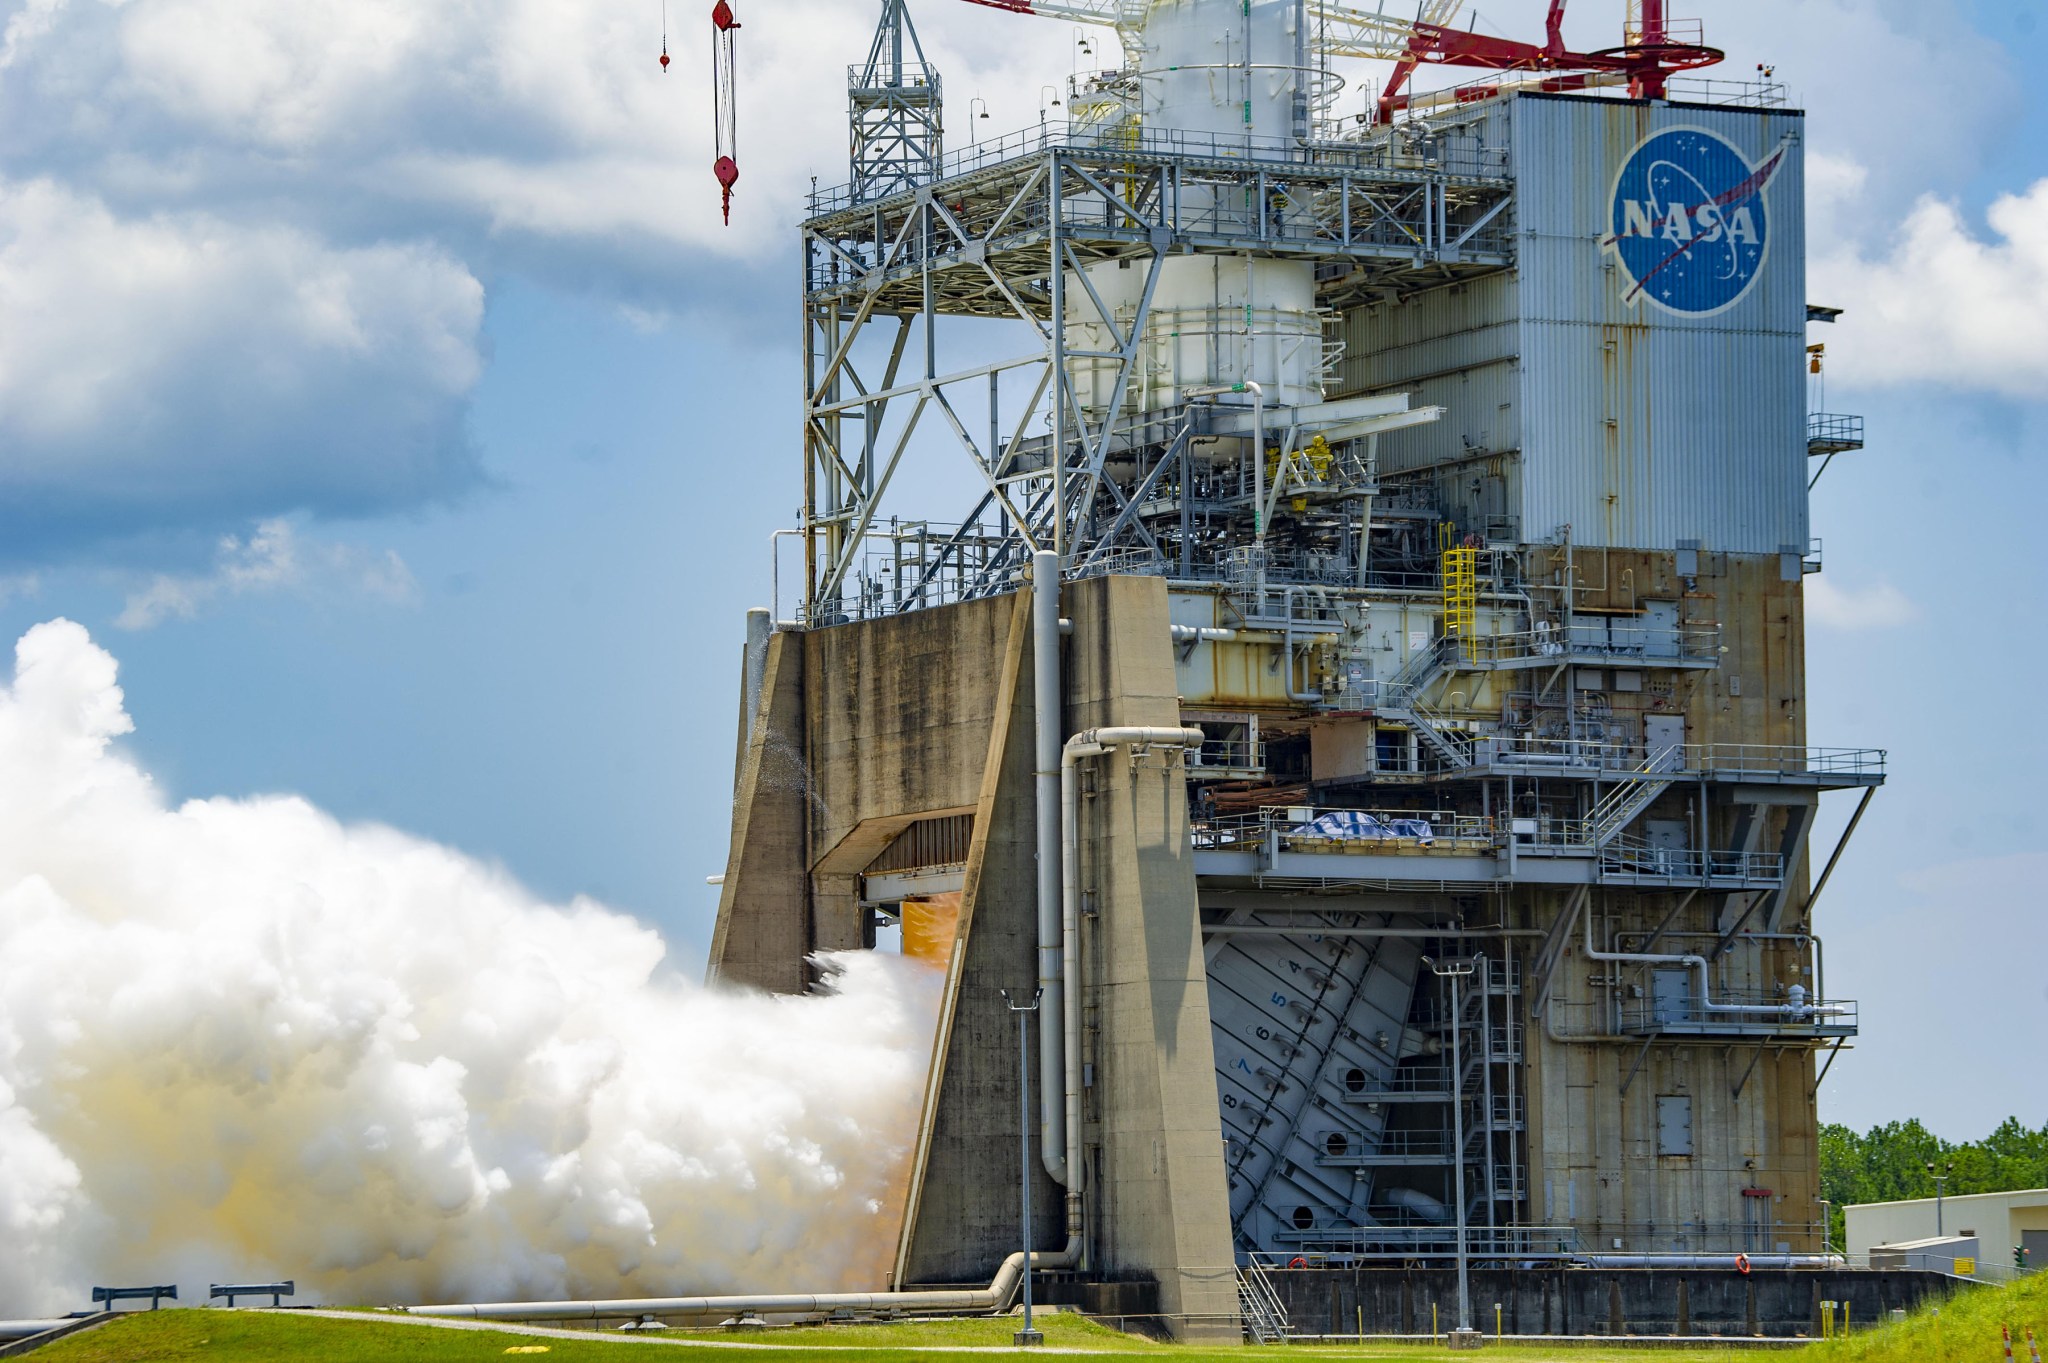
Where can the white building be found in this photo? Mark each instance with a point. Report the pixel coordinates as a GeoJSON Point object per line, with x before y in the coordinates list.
{"type": "Point", "coordinates": [1999, 1222]}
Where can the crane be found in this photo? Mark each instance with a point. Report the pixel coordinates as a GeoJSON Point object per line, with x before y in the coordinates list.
{"type": "Point", "coordinates": [1650, 53]}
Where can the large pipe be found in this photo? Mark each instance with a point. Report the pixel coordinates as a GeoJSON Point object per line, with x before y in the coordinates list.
{"type": "Point", "coordinates": [29, 1329]}
{"type": "Point", "coordinates": [991, 1298]}
{"type": "Point", "coordinates": [775, 567]}
{"type": "Point", "coordinates": [1726, 1261]}
{"type": "Point", "coordinates": [1045, 681]}
{"type": "Point", "coordinates": [1795, 1005]}
{"type": "Point", "coordinates": [1089, 744]}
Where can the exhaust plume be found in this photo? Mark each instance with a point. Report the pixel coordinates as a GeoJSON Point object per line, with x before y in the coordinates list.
{"type": "Point", "coordinates": [242, 1040]}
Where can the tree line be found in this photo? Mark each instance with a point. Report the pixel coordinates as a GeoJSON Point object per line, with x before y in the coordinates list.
{"type": "Point", "coordinates": [1888, 1163]}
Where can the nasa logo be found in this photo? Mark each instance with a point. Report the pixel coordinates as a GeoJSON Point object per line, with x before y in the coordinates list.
{"type": "Point", "coordinates": [1690, 225]}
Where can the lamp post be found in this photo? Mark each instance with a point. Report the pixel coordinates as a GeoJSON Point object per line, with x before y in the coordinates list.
{"type": "Point", "coordinates": [1940, 1179]}
{"type": "Point", "coordinates": [1455, 969]}
{"type": "Point", "coordinates": [1024, 1012]}
{"type": "Point", "coordinates": [973, 117]}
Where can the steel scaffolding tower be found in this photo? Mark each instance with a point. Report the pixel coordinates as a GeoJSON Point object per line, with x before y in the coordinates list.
{"type": "Point", "coordinates": [895, 111]}
{"type": "Point", "coordinates": [1017, 229]}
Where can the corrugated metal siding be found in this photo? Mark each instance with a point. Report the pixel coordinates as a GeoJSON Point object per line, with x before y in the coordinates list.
{"type": "Point", "coordinates": [928, 842]}
{"type": "Point", "coordinates": [1640, 427]}
{"type": "Point", "coordinates": [1452, 347]}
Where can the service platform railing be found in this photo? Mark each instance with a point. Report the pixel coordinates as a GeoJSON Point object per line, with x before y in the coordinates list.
{"type": "Point", "coordinates": [1224, 758]}
{"type": "Point", "coordinates": [1593, 640]}
{"type": "Point", "coordinates": [1601, 758]}
{"type": "Point", "coordinates": [1314, 828]}
{"type": "Point", "coordinates": [1833, 433]}
{"type": "Point", "coordinates": [1750, 1013]}
{"type": "Point", "coordinates": [1339, 1246]}
{"type": "Point", "coordinates": [1392, 1148]}
{"type": "Point", "coordinates": [1187, 144]}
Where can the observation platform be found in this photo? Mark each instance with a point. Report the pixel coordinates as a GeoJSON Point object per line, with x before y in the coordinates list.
{"type": "Point", "coordinates": [1594, 760]}
{"type": "Point", "coordinates": [971, 242]}
{"type": "Point", "coordinates": [1771, 1018]}
{"type": "Point", "coordinates": [1319, 846]}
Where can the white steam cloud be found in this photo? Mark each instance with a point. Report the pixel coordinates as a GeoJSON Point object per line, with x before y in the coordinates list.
{"type": "Point", "coordinates": [239, 1039]}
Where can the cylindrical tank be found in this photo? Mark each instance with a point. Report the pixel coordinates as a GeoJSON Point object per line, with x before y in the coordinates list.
{"type": "Point", "coordinates": [1215, 321]}
{"type": "Point", "coordinates": [1219, 77]}
{"type": "Point", "coordinates": [1224, 69]}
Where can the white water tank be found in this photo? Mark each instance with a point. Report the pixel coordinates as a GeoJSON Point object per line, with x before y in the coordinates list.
{"type": "Point", "coordinates": [1221, 80]}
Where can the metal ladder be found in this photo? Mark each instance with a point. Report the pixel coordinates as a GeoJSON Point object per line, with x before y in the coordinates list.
{"type": "Point", "coordinates": [1265, 1319]}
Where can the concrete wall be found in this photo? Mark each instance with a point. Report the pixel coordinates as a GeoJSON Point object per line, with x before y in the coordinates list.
{"type": "Point", "coordinates": [866, 727]}
{"type": "Point", "coordinates": [1156, 1173]}
{"type": "Point", "coordinates": [1594, 1301]}
{"type": "Point", "coordinates": [763, 936]}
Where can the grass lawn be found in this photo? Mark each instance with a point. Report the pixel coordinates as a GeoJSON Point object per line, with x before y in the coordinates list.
{"type": "Point", "coordinates": [264, 1337]}
{"type": "Point", "coordinates": [1963, 1329]}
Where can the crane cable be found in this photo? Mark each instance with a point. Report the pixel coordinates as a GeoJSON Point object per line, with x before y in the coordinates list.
{"type": "Point", "coordinates": [724, 28]}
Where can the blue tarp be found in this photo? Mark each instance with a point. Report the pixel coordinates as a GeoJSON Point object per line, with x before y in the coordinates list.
{"type": "Point", "coordinates": [1352, 823]}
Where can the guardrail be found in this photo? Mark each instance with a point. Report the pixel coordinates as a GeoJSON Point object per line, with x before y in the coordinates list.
{"type": "Point", "coordinates": [1340, 1246]}
{"type": "Point", "coordinates": [1128, 143]}
{"type": "Point", "coordinates": [1606, 640]}
{"type": "Point", "coordinates": [1226, 755]}
{"type": "Point", "coordinates": [1695, 759]}
{"type": "Point", "coordinates": [1743, 1013]}
{"type": "Point", "coordinates": [1833, 432]}
{"type": "Point", "coordinates": [1312, 828]}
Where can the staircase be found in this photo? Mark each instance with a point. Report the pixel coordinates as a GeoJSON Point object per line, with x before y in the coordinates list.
{"type": "Point", "coordinates": [1619, 807]}
{"type": "Point", "coordinates": [1401, 699]}
{"type": "Point", "coordinates": [1265, 1319]}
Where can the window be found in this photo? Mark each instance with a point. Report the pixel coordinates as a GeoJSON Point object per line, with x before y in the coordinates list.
{"type": "Point", "coordinates": [1674, 1124]}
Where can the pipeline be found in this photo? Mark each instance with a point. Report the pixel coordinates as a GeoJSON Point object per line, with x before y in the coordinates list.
{"type": "Point", "coordinates": [1092, 743]}
{"type": "Point", "coordinates": [1726, 1261]}
{"type": "Point", "coordinates": [994, 1297]}
{"type": "Point", "coordinates": [1795, 1005]}
{"type": "Point", "coordinates": [1047, 720]}
{"type": "Point", "coordinates": [11, 1330]}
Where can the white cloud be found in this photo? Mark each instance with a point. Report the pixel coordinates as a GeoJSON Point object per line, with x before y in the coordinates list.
{"type": "Point", "coordinates": [1944, 303]}
{"type": "Point", "coordinates": [271, 559]}
{"type": "Point", "coordinates": [1878, 606]}
{"type": "Point", "coordinates": [240, 242]}
{"type": "Point", "coordinates": [172, 368]}
{"type": "Point", "coordinates": [548, 122]}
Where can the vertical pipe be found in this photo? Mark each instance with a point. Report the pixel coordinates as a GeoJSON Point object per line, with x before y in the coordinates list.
{"type": "Point", "coordinates": [1458, 1152]}
{"type": "Point", "coordinates": [1058, 243]}
{"type": "Point", "coordinates": [1046, 701]}
{"type": "Point", "coordinates": [752, 672]}
{"type": "Point", "coordinates": [1653, 23]}
{"type": "Point", "coordinates": [1024, 1141]}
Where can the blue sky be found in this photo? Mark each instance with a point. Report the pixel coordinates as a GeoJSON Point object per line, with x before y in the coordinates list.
{"type": "Point", "coordinates": [380, 386]}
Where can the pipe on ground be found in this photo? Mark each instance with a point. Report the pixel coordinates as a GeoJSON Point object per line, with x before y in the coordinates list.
{"type": "Point", "coordinates": [1715, 1261]}
{"type": "Point", "coordinates": [994, 1297]}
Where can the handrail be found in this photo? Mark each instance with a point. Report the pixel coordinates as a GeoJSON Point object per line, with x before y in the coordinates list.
{"type": "Point", "coordinates": [1292, 827]}
{"type": "Point", "coordinates": [1143, 143]}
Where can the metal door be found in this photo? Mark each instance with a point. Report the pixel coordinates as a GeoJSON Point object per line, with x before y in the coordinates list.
{"type": "Point", "coordinates": [1670, 994]}
{"type": "Point", "coordinates": [1664, 742]}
